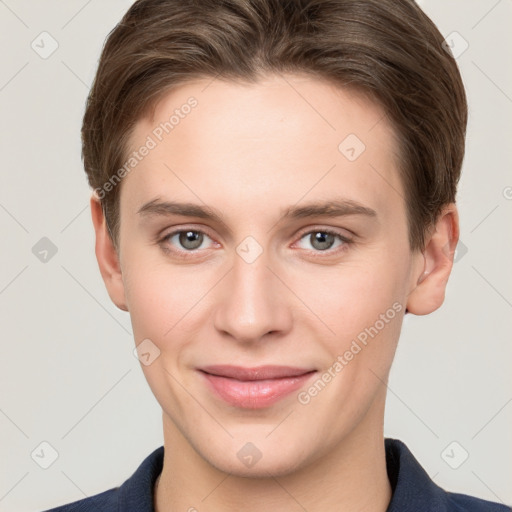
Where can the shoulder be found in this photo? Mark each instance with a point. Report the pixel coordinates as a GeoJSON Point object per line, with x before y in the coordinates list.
{"type": "Point", "coordinates": [413, 489]}
{"type": "Point", "coordinates": [464, 503]}
{"type": "Point", "coordinates": [134, 495]}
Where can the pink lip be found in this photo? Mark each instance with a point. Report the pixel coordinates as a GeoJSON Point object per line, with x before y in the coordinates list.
{"type": "Point", "coordinates": [254, 388]}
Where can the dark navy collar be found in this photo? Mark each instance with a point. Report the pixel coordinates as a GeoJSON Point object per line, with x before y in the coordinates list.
{"type": "Point", "coordinates": [136, 494]}
{"type": "Point", "coordinates": [413, 489]}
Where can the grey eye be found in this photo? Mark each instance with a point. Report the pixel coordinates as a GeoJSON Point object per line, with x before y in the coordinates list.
{"type": "Point", "coordinates": [190, 239]}
{"type": "Point", "coordinates": [321, 240]}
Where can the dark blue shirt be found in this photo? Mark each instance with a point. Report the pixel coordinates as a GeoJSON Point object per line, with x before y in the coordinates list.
{"type": "Point", "coordinates": [413, 490]}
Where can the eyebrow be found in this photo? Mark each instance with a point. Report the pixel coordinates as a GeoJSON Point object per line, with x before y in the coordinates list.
{"type": "Point", "coordinates": [332, 208]}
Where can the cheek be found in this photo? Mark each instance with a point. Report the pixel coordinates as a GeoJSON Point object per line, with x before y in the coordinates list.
{"type": "Point", "coordinates": [148, 304]}
{"type": "Point", "coordinates": [162, 298]}
{"type": "Point", "coordinates": [352, 296]}
{"type": "Point", "coordinates": [159, 299]}
{"type": "Point", "coordinates": [363, 304]}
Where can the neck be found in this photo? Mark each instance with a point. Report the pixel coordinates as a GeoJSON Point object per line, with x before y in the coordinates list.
{"type": "Point", "coordinates": [352, 477]}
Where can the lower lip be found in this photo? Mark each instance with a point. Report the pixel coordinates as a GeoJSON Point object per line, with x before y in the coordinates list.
{"type": "Point", "coordinates": [255, 394]}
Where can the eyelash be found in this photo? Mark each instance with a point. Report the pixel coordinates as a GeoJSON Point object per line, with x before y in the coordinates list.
{"type": "Point", "coordinates": [163, 242]}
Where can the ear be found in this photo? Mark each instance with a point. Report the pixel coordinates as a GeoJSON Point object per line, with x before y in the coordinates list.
{"type": "Point", "coordinates": [428, 292]}
{"type": "Point", "coordinates": [107, 256]}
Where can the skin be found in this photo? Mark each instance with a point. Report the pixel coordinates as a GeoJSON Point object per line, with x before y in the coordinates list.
{"type": "Point", "coordinates": [250, 152]}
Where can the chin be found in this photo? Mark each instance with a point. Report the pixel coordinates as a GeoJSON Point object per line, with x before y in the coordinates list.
{"type": "Point", "coordinates": [250, 462]}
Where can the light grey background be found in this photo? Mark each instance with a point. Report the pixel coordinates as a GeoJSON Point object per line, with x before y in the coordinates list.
{"type": "Point", "coordinates": [68, 376]}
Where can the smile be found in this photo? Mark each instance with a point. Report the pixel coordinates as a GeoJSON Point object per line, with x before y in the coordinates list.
{"type": "Point", "coordinates": [254, 388]}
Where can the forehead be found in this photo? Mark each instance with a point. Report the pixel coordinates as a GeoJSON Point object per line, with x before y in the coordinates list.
{"type": "Point", "coordinates": [291, 134]}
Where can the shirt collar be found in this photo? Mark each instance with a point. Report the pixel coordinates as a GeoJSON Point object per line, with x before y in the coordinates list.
{"type": "Point", "coordinates": [412, 487]}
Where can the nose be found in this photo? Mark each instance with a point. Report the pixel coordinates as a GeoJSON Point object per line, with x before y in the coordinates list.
{"type": "Point", "coordinates": [253, 302]}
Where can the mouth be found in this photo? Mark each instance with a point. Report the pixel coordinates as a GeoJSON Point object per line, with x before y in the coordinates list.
{"type": "Point", "coordinates": [254, 388]}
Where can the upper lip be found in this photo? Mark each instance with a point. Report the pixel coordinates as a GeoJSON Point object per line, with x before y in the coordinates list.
{"type": "Point", "coordinates": [255, 373]}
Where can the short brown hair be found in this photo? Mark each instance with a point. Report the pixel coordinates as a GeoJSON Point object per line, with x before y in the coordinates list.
{"type": "Point", "coordinates": [388, 49]}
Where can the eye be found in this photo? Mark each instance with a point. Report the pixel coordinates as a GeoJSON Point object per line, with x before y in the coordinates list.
{"type": "Point", "coordinates": [185, 240]}
{"type": "Point", "coordinates": [322, 240]}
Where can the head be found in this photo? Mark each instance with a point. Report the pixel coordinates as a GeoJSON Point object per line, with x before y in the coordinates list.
{"type": "Point", "coordinates": [315, 149]}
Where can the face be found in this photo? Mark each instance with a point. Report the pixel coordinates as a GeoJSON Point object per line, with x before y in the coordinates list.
{"type": "Point", "coordinates": [267, 227]}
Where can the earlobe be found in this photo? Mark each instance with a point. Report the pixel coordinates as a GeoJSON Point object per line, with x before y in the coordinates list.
{"type": "Point", "coordinates": [429, 288]}
{"type": "Point", "coordinates": [107, 256]}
